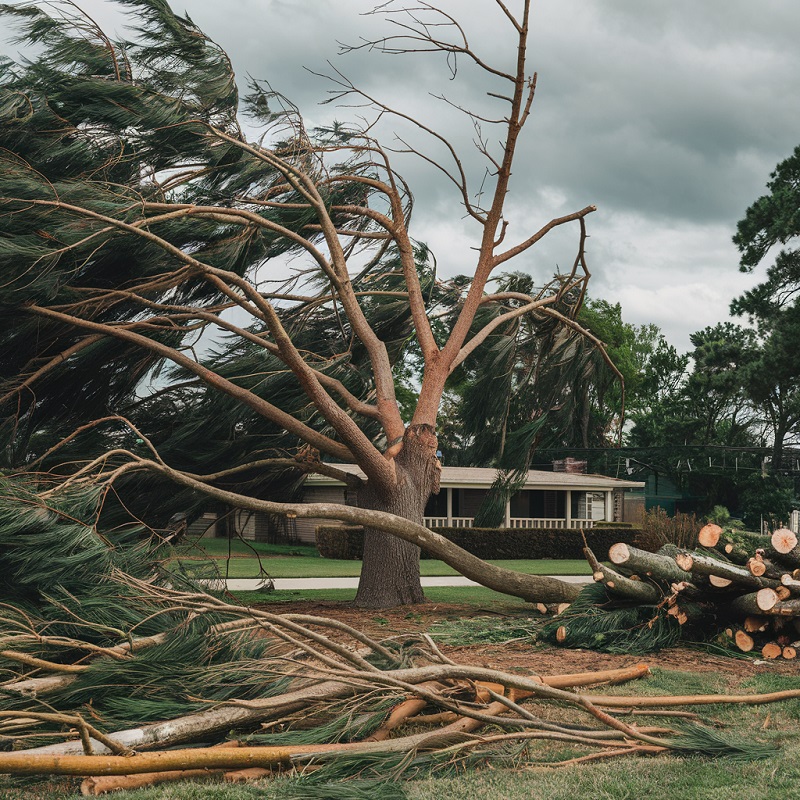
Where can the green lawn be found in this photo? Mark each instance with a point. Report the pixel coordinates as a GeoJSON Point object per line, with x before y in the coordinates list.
{"type": "Point", "coordinates": [303, 561]}
{"type": "Point", "coordinates": [462, 595]}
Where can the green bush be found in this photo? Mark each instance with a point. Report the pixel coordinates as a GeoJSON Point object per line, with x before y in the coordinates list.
{"type": "Point", "coordinates": [343, 542]}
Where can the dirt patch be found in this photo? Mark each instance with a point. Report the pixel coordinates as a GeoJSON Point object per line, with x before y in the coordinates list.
{"type": "Point", "coordinates": [522, 656]}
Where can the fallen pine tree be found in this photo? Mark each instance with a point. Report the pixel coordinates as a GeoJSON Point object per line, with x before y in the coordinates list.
{"type": "Point", "coordinates": [116, 669]}
{"type": "Point", "coordinates": [643, 601]}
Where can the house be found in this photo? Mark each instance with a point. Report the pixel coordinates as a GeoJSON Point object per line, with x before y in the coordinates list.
{"type": "Point", "coordinates": [546, 500]}
{"type": "Point", "coordinates": [557, 499]}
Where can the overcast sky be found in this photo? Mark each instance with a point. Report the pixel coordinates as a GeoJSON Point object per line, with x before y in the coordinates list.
{"type": "Point", "coordinates": [668, 116]}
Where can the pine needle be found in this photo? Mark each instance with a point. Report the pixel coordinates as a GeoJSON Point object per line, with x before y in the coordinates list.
{"type": "Point", "coordinates": [701, 741]}
{"type": "Point", "coordinates": [591, 622]}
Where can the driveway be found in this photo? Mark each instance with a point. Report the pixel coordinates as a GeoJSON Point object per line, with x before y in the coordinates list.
{"type": "Point", "coordinates": [286, 584]}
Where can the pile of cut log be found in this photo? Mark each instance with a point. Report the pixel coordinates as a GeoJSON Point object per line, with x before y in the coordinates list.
{"type": "Point", "coordinates": [752, 598]}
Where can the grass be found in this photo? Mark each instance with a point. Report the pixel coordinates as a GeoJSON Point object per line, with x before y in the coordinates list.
{"type": "Point", "coordinates": [459, 595]}
{"type": "Point", "coordinates": [303, 561]}
{"type": "Point", "coordinates": [630, 778]}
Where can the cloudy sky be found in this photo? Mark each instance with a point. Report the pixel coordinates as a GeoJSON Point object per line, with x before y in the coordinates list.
{"type": "Point", "coordinates": [668, 116]}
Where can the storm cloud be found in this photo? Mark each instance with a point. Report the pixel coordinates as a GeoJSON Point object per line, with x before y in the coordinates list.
{"type": "Point", "coordinates": [667, 116]}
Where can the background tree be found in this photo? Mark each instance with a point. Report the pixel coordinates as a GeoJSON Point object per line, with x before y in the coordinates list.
{"type": "Point", "coordinates": [139, 223]}
{"type": "Point", "coordinates": [541, 382]}
{"type": "Point", "coordinates": [773, 220]}
{"type": "Point", "coordinates": [773, 306]}
{"type": "Point", "coordinates": [772, 379]}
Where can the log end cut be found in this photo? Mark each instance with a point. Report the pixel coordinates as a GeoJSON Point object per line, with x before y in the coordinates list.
{"type": "Point", "coordinates": [709, 535]}
{"type": "Point", "coordinates": [766, 599]}
{"type": "Point", "coordinates": [771, 650]}
{"type": "Point", "coordinates": [784, 540]}
{"type": "Point", "coordinates": [619, 553]}
{"type": "Point", "coordinates": [718, 582]}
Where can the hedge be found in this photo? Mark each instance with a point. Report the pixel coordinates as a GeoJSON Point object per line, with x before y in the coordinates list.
{"type": "Point", "coordinates": [347, 542]}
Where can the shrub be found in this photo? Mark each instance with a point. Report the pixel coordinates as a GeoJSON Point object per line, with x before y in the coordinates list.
{"type": "Point", "coordinates": [720, 515]}
{"type": "Point", "coordinates": [680, 530]}
{"type": "Point", "coordinates": [343, 542]}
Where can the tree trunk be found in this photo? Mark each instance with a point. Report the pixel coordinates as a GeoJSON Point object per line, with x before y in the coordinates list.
{"type": "Point", "coordinates": [390, 569]}
{"type": "Point", "coordinates": [777, 447]}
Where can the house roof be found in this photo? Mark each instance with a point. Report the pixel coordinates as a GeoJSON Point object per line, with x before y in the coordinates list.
{"type": "Point", "coordinates": [483, 477]}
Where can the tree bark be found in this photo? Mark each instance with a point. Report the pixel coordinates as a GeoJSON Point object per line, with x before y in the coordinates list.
{"type": "Point", "coordinates": [390, 569]}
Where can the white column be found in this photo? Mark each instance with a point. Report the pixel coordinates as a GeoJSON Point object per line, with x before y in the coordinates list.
{"type": "Point", "coordinates": [449, 495]}
{"type": "Point", "coordinates": [609, 516]}
{"type": "Point", "coordinates": [568, 522]}
{"type": "Point", "coordinates": [508, 513]}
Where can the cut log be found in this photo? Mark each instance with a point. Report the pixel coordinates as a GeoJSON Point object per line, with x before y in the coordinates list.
{"type": "Point", "coordinates": [755, 603]}
{"type": "Point", "coordinates": [744, 641]}
{"type": "Point", "coordinates": [685, 561]}
{"type": "Point", "coordinates": [734, 552]}
{"type": "Point", "coordinates": [785, 608]}
{"type": "Point", "coordinates": [699, 564]}
{"type": "Point", "coordinates": [784, 540]}
{"type": "Point", "coordinates": [789, 652]}
{"type": "Point", "coordinates": [652, 565]}
{"type": "Point", "coordinates": [686, 589]}
{"type": "Point", "coordinates": [760, 566]}
{"type": "Point", "coordinates": [783, 593]}
{"type": "Point", "coordinates": [709, 535]}
{"type": "Point", "coordinates": [561, 633]}
{"type": "Point", "coordinates": [618, 584]}
{"type": "Point", "coordinates": [771, 650]}
{"type": "Point", "coordinates": [756, 566]}
{"type": "Point", "coordinates": [790, 583]}
{"type": "Point", "coordinates": [755, 624]}
{"type": "Point", "coordinates": [719, 583]}
{"type": "Point", "coordinates": [785, 545]}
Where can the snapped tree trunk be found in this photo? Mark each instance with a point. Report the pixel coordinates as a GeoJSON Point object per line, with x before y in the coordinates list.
{"type": "Point", "coordinates": [390, 569]}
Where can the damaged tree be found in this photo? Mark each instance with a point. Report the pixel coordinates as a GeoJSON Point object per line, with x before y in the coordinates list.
{"type": "Point", "coordinates": [137, 218]}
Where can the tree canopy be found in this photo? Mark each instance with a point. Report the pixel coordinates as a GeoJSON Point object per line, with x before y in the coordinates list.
{"type": "Point", "coordinates": [140, 223]}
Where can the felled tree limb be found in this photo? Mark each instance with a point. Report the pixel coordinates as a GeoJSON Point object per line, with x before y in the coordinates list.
{"type": "Point", "coordinates": [618, 584]}
{"type": "Point", "coordinates": [611, 701]}
{"type": "Point", "coordinates": [97, 785]}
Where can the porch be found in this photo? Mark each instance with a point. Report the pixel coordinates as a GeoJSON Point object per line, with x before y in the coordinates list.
{"type": "Point", "coordinates": [456, 507]}
{"type": "Point", "coordinates": [511, 522]}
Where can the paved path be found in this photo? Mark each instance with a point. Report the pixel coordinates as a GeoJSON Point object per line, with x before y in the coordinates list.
{"type": "Point", "coordinates": [252, 584]}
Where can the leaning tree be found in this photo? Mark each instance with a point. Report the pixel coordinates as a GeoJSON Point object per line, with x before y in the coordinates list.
{"type": "Point", "coordinates": [142, 220]}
